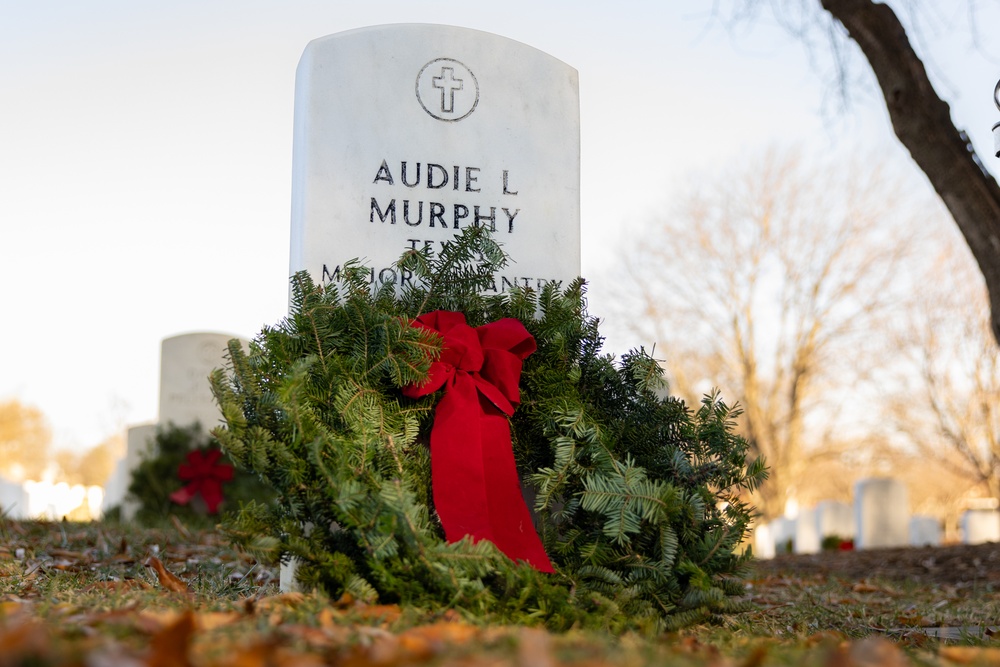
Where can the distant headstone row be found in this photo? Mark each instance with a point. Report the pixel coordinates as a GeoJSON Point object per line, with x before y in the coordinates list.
{"type": "Point", "coordinates": [880, 517]}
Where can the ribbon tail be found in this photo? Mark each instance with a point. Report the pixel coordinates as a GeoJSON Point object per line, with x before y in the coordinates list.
{"type": "Point", "coordinates": [512, 525]}
{"type": "Point", "coordinates": [457, 476]}
{"type": "Point", "coordinates": [211, 491]}
{"type": "Point", "coordinates": [184, 495]}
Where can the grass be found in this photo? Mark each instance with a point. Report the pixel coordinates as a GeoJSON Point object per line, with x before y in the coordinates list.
{"type": "Point", "coordinates": [89, 594]}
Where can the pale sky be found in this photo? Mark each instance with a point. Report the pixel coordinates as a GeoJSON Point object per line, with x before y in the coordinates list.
{"type": "Point", "coordinates": [145, 157]}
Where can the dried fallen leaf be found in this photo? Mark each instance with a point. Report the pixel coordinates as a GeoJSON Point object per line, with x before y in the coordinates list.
{"type": "Point", "coordinates": [181, 528]}
{"type": "Point", "coordinates": [345, 601]}
{"type": "Point", "coordinates": [169, 647]}
{"type": "Point", "coordinates": [210, 620]}
{"type": "Point", "coordinates": [167, 579]}
{"type": "Point", "coordinates": [24, 643]}
{"type": "Point", "coordinates": [534, 648]}
{"type": "Point", "coordinates": [278, 601]}
{"type": "Point", "coordinates": [439, 635]}
{"type": "Point", "coordinates": [876, 652]}
{"type": "Point", "coordinates": [865, 587]}
{"type": "Point", "coordinates": [388, 613]}
{"type": "Point", "coordinates": [967, 655]}
{"type": "Point", "coordinates": [152, 621]}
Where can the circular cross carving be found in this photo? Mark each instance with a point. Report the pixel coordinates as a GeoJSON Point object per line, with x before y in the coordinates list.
{"type": "Point", "coordinates": [447, 89]}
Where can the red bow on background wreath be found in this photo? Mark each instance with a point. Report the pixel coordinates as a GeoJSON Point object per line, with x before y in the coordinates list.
{"type": "Point", "coordinates": [206, 477]}
{"type": "Point", "coordinates": [474, 478]}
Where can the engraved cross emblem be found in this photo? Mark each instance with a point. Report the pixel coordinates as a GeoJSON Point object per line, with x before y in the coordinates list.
{"type": "Point", "coordinates": [447, 89]}
{"type": "Point", "coordinates": [448, 84]}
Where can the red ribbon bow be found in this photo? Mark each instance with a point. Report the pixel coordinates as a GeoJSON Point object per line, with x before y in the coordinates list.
{"type": "Point", "coordinates": [206, 477]}
{"type": "Point", "coordinates": [474, 478]}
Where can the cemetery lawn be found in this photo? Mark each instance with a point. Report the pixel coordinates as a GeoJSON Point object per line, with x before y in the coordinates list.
{"type": "Point", "coordinates": [108, 594]}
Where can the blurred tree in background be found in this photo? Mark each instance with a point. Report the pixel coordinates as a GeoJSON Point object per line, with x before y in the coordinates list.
{"type": "Point", "coordinates": [24, 441]}
{"type": "Point", "coordinates": [92, 467]}
{"type": "Point", "coordinates": [779, 283]}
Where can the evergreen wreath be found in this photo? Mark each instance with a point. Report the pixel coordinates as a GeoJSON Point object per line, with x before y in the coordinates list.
{"type": "Point", "coordinates": [637, 499]}
{"type": "Point", "coordinates": [157, 478]}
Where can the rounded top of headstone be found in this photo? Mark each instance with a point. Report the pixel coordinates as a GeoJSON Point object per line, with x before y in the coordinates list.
{"type": "Point", "coordinates": [420, 31]}
{"type": "Point", "coordinates": [186, 361]}
{"type": "Point", "coordinates": [203, 334]}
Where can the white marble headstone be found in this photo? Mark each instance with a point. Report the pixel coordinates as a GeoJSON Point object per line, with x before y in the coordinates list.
{"type": "Point", "coordinates": [406, 134]}
{"type": "Point", "coordinates": [13, 500]}
{"type": "Point", "coordinates": [835, 518]}
{"type": "Point", "coordinates": [139, 443]}
{"type": "Point", "coordinates": [763, 541]}
{"type": "Point", "coordinates": [186, 361]}
{"type": "Point", "coordinates": [881, 513]}
{"type": "Point", "coordinates": [980, 526]}
{"type": "Point", "coordinates": [783, 533]}
{"type": "Point", "coordinates": [925, 531]}
{"type": "Point", "coordinates": [807, 537]}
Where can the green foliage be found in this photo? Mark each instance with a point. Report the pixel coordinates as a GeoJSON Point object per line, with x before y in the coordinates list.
{"type": "Point", "coordinates": [637, 498]}
{"type": "Point", "coordinates": [833, 542]}
{"type": "Point", "coordinates": [156, 477]}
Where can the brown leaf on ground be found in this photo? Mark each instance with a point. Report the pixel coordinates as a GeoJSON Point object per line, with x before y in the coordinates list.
{"type": "Point", "coordinates": [170, 647]}
{"type": "Point", "coordinates": [418, 644]}
{"type": "Point", "coordinates": [388, 613]}
{"type": "Point", "coordinates": [443, 633]}
{"type": "Point", "coordinates": [269, 654]}
{"type": "Point", "coordinates": [756, 657]}
{"type": "Point", "coordinates": [152, 621]}
{"type": "Point", "coordinates": [876, 652]}
{"type": "Point", "coordinates": [344, 601]}
{"type": "Point", "coordinates": [181, 528]}
{"type": "Point", "coordinates": [167, 579]}
{"type": "Point", "coordinates": [318, 637]}
{"type": "Point", "coordinates": [967, 655]}
{"type": "Point", "coordinates": [24, 643]}
{"type": "Point", "coordinates": [534, 648]}
{"type": "Point", "coordinates": [210, 620]}
{"type": "Point", "coordinates": [272, 602]}
{"type": "Point", "coordinates": [865, 587]}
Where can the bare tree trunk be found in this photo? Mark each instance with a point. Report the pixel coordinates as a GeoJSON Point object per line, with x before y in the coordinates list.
{"type": "Point", "coordinates": [922, 121]}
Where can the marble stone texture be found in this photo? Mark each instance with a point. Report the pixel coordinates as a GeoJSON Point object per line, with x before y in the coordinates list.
{"type": "Point", "coordinates": [13, 500]}
{"type": "Point", "coordinates": [186, 361]}
{"type": "Point", "coordinates": [483, 126]}
{"type": "Point", "coordinates": [782, 532]}
{"type": "Point", "coordinates": [881, 513]}
{"type": "Point", "coordinates": [807, 537]}
{"type": "Point", "coordinates": [980, 526]}
{"type": "Point", "coordinates": [925, 531]}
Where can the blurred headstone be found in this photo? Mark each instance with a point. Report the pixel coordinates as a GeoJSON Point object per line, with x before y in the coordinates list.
{"type": "Point", "coordinates": [13, 500]}
{"type": "Point", "coordinates": [925, 531]}
{"type": "Point", "coordinates": [763, 541]}
{"type": "Point", "coordinates": [980, 526]}
{"type": "Point", "coordinates": [835, 519]}
{"type": "Point", "coordinates": [807, 537]}
{"type": "Point", "coordinates": [185, 364]}
{"type": "Point", "coordinates": [882, 513]}
{"type": "Point", "coordinates": [186, 361]}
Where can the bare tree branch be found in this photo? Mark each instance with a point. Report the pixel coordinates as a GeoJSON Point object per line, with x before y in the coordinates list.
{"type": "Point", "coordinates": [922, 122]}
